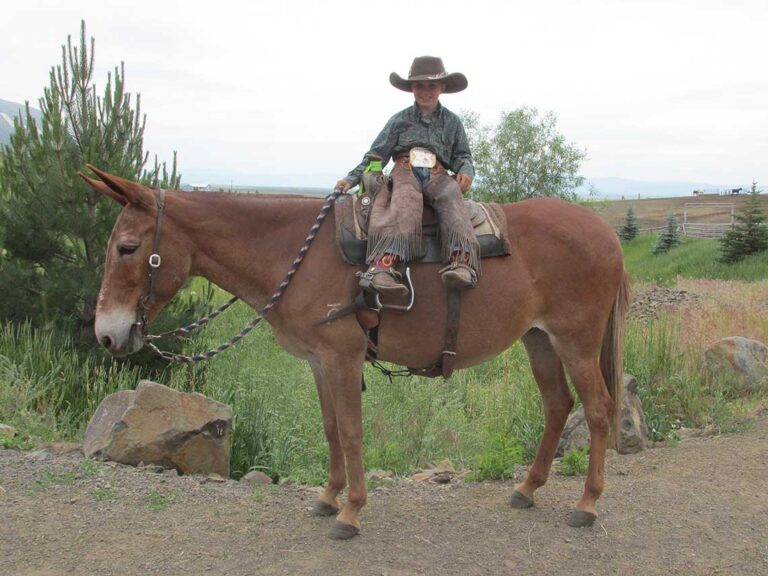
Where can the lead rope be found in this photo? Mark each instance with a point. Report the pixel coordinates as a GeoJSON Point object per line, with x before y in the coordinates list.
{"type": "Point", "coordinates": [182, 359]}
{"type": "Point", "coordinates": [189, 328]}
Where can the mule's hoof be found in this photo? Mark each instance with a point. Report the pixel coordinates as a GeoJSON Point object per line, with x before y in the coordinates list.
{"type": "Point", "coordinates": [324, 509]}
{"type": "Point", "coordinates": [581, 519]}
{"type": "Point", "coordinates": [520, 501]}
{"type": "Point", "coordinates": [341, 531]}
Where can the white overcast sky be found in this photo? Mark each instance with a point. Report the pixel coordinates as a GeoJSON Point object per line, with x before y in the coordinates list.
{"type": "Point", "coordinates": [653, 90]}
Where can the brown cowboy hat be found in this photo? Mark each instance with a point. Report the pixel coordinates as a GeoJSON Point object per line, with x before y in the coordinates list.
{"type": "Point", "coordinates": [429, 69]}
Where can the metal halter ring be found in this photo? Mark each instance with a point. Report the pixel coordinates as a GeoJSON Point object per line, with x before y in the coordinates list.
{"type": "Point", "coordinates": [155, 261]}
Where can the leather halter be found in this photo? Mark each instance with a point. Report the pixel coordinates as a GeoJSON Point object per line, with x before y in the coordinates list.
{"type": "Point", "coordinates": [154, 263]}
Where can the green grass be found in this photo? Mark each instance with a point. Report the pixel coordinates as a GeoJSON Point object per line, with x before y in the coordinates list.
{"type": "Point", "coordinates": [46, 479]}
{"type": "Point", "coordinates": [104, 495]}
{"type": "Point", "coordinates": [261, 493]}
{"type": "Point", "coordinates": [694, 258]}
{"type": "Point", "coordinates": [575, 462]}
{"type": "Point", "coordinates": [90, 467]}
{"type": "Point", "coordinates": [48, 389]}
{"type": "Point", "coordinates": [158, 501]}
{"type": "Point", "coordinates": [16, 443]}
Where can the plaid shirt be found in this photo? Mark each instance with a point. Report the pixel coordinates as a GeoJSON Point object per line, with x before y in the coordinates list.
{"type": "Point", "coordinates": [442, 133]}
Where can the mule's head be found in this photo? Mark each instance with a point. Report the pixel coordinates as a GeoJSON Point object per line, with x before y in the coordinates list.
{"type": "Point", "coordinates": [126, 303]}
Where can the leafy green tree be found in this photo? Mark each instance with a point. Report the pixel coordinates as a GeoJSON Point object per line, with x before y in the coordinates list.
{"type": "Point", "coordinates": [669, 238]}
{"type": "Point", "coordinates": [522, 157]}
{"type": "Point", "coordinates": [749, 235]}
{"type": "Point", "coordinates": [630, 229]}
{"type": "Point", "coordinates": [54, 226]}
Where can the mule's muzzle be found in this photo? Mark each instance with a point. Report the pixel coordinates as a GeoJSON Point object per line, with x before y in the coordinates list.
{"type": "Point", "coordinates": [119, 338]}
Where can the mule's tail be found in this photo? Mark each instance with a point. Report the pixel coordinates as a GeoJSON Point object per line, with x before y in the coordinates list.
{"type": "Point", "coordinates": [612, 355]}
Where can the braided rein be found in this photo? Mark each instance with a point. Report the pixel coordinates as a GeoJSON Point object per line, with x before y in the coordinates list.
{"type": "Point", "coordinates": [184, 331]}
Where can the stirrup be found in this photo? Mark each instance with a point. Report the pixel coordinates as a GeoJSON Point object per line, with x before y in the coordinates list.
{"type": "Point", "coordinates": [455, 274]}
{"type": "Point", "coordinates": [385, 281]}
{"type": "Point", "coordinates": [366, 279]}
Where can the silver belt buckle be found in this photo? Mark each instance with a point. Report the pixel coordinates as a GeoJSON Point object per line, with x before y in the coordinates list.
{"type": "Point", "coordinates": [422, 158]}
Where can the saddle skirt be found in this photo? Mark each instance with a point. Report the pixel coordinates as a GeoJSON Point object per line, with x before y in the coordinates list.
{"type": "Point", "coordinates": [352, 213]}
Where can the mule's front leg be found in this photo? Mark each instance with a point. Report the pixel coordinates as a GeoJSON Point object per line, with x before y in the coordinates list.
{"type": "Point", "coordinates": [328, 502]}
{"type": "Point", "coordinates": [342, 377]}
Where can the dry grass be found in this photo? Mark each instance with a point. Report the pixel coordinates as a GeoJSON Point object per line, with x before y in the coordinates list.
{"type": "Point", "coordinates": [726, 308]}
{"type": "Point", "coordinates": [652, 212]}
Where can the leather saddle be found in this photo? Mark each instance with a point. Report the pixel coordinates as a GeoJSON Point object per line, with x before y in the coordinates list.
{"type": "Point", "coordinates": [353, 211]}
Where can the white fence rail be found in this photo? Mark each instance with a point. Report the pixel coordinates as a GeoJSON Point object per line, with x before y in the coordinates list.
{"type": "Point", "coordinates": [710, 230]}
{"type": "Point", "coordinates": [707, 230]}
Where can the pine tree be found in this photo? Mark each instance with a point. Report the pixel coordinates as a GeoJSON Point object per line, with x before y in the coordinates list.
{"type": "Point", "coordinates": [669, 238]}
{"type": "Point", "coordinates": [749, 235]}
{"type": "Point", "coordinates": [630, 229]}
{"type": "Point", "coordinates": [54, 226]}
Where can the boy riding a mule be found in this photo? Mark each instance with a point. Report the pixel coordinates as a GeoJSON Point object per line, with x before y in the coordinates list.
{"type": "Point", "coordinates": [427, 143]}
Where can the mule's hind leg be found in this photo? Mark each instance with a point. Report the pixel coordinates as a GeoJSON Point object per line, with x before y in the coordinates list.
{"type": "Point", "coordinates": [550, 377]}
{"type": "Point", "coordinates": [328, 501]}
{"type": "Point", "coordinates": [598, 407]}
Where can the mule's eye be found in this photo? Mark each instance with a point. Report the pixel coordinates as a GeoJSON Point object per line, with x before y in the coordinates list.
{"type": "Point", "coordinates": [126, 250]}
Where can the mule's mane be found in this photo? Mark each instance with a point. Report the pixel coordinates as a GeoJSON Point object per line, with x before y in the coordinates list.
{"type": "Point", "coordinates": [240, 207]}
{"type": "Point", "coordinates": [258, 196]}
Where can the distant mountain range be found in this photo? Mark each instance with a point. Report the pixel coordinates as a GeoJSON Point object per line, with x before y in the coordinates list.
{"type": "Point", "coordinates": [615, 188]}
{"type": "Point", "coordinates": [9, 111]}
{"type": "Point", "coordinates": [321, 183]}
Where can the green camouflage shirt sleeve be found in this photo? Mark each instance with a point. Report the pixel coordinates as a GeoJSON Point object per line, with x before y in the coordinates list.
{"type": "Point", "coordinates": [381, 147]}
{"type": "Point", "coordinates": [461, 155]}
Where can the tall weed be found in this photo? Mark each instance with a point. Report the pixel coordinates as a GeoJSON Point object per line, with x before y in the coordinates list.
{"type": "Point", "coordinates": [47, 387]}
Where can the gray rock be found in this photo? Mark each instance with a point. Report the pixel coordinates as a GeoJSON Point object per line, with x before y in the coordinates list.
{"type": "Point", "coordinates": [257, 477]}
{"type": "Point", "coordinates": [575, 434]}
{"type": "Point", "coordinates": [38, 456]}
{"type": "Point", "coordinates": [7, 431]}
{"type": "Point", "coordinates": [739, 361]}
{"type": "Point", "coordinates": [98, 435]}
{"type": "Point", "coordinates": [160, 426]}
{"type": "Point", "coordinates": [379, 475]}
{"type": "Point", "coordinates": [441, 474]}
{"type": "Point", "coordinates": [633, 431]}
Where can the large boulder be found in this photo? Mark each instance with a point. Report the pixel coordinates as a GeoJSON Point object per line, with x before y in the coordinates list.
{"type": "Point", "coordinates": [157, 425]}
{"type": "Point", "coordinates": [738, 361]}
{"type": "Point", "coordinates": [633, 431]}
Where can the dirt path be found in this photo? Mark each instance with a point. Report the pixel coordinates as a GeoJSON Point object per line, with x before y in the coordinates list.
{"type": "Point", "coordinates": [700, 507]}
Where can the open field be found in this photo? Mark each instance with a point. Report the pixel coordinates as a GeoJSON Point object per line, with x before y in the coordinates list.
{"type": "Point", "coordinates": [652, 212]}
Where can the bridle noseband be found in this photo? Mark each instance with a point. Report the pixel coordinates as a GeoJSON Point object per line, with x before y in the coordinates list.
{"type": "Point", "coordinates": [154, 264]}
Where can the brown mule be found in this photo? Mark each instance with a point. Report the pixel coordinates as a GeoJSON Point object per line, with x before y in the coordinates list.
{"type": "Point", "coordinates": [563, 291]}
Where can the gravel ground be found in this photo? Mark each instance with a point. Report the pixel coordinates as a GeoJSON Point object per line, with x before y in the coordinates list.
{"type": "Point", "coordinates": [697, 508]}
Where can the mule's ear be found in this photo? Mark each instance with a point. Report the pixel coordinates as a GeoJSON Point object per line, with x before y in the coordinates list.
{"type": "Point", "coordinates": [104, 189]}
{"type": "Point", "coordinates": [131, 192]}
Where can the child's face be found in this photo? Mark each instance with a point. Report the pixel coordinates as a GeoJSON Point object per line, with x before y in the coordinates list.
{"type": "Point", "coordinates": [427, 94]}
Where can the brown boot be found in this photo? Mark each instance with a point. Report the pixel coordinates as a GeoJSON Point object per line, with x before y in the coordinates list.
{"type": "Point", "coordinates": [458, 276]}
{"type": "Point", "coordinates": [384, 278]}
